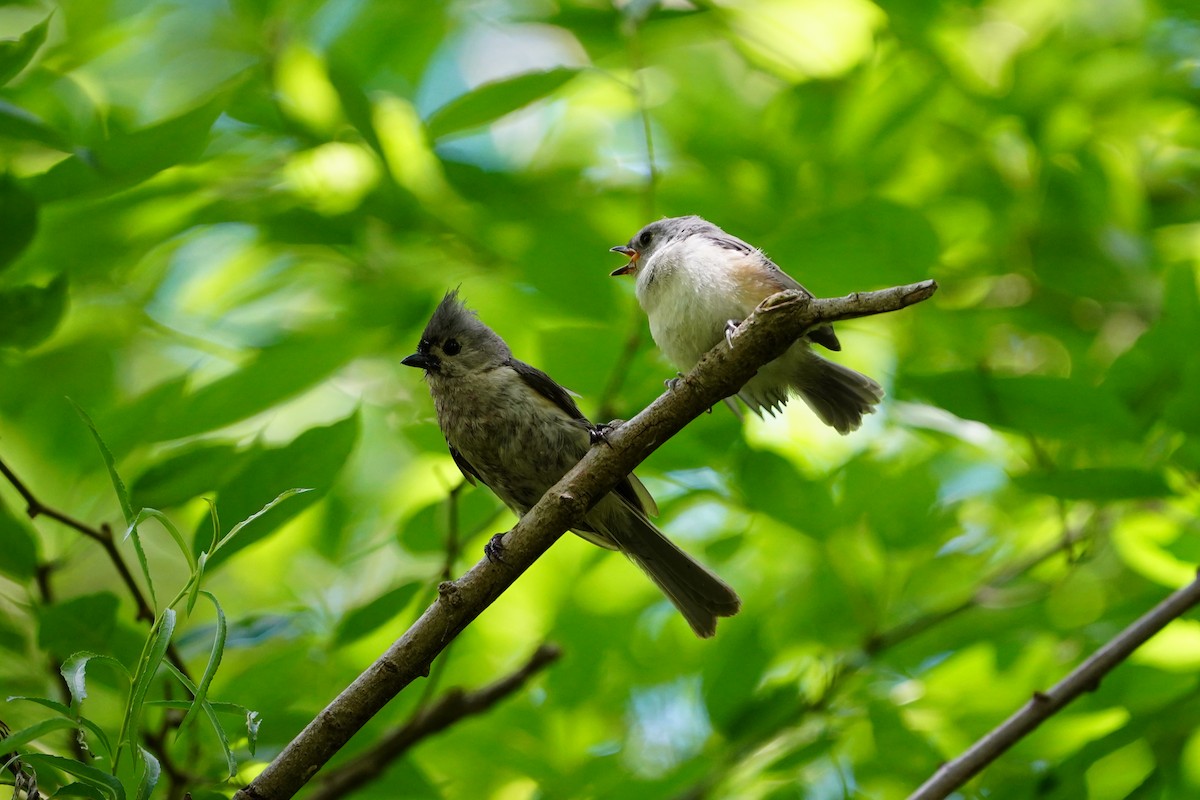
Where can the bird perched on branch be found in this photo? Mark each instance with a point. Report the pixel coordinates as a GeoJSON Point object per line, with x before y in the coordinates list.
{"type": "Point", "coordinates": [512, 427]}
{"type": "Point", "coordinates": [697, 283]}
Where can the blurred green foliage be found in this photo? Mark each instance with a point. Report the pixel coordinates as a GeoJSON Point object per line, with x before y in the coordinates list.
{"type": "Point", "coordinates": [222, 224]}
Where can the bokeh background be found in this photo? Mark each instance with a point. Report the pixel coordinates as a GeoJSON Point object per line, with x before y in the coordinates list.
{"type": "Point", "coordinates": [223, 224]}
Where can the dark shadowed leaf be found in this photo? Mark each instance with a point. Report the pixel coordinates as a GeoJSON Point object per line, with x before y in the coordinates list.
{"type": "Point", "coordinates": [489, 102]}
{"type": "Point", "coordinates": [186, 474]}
{"type": "Point", "coordinates": [127, 158]}
{"type": "Point", "coordinates": [358, 622]}
{"type": "Point", "coordinates": [1102, 484]}
{"type": "Point", "coordinates": [1033, 404]}
{"type": "Point", "coordinates": [15, 54]}
{"type": "Point", "coordinates": [18, 220]}
{"type": "Point", "coordinates": [312, 460]}
{"type": "Point", "coordinates": [81, 623]}
{"type": "Point", "coordinates": [31, 313]}
{"type": "Point", "coordinates": [274, 374]}
{"type": "Point", "coordinates": [19, 553]}
{"type": "Point", "coordinates": [17, 123]}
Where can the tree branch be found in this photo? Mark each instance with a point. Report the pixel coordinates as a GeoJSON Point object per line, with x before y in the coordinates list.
{"type": "Point", "coordinates": [452, 707]}
{"type": "Point", "coordinates": [1084, 678]}
{"type": "Point", "coordinates": [778, 322]}
{"type": "Point", "coordinates": [104, 537]}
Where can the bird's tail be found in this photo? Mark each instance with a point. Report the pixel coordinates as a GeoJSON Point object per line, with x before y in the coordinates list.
{"type": "Point", "coordinates": [838, 395]}
{"type": "Point", "coordinates": [699, 595]}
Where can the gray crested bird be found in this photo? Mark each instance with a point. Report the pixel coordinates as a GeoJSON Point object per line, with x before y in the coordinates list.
{"type": "Point", "coordinates": [696, 283]}
{"type": "Point", "coordinates": [512, 427]}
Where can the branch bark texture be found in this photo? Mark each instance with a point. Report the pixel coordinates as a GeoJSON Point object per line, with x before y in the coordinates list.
{"type": "Point", "coordinates": [778, 322]}
{"type": "Point", "coordinates": [452, 707]}
{"type": "Point", "coordinates": [1084, 678]}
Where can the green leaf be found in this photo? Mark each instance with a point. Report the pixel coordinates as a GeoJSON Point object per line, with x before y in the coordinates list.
{"type": "Point", "coordinates": [19, 555]}
{"type": "Point", "coordinates": [275, 374]}
{"type": "Point", "coordinates": [1056, 408]}
{"type": "Point", "coordinates": [360, 621]}
{"type": "Point", "coordinates": [491, 101]}
{"type": "Point", "coordinates": [186, 474]}
{"type": "Point", "coordinates": [153, 513]}
{"type": "Point", "coordinates": [18, 739]}
{"type": "Point", "coordinates": [110, 464]}
{"type": "Point", "coordinates": [887, 243]}
{"type": "Point", "coordinates": [101, 780]}
{"type": "Point", "coordinates": [313, 459]}
{"type": "Point", "coordinates": [66, 711]}
{"type": "Point", "coordinates": [17, 123]}
{"type": "Point", "coordinates": [150, 774]}
{"type": "Point", "coordinates": [214, 661]}
{"type": "Point", "coordinates": [127, 158]}
{"type": "Point", "coordinates": [284, 495]}
{"type": "Point", "coordinates": [15, 54]}
{"type": "Point", "coordinates": [211, 713]}
{"type": "Point", "coordinates": [18, 220]}
{"type": "Point", "coordinates": [160, 641]}
{"type": "Point", "coordinates": [81, 623]}
{"type": "Point", "coordinates": [80, 789]}
{"type": "Point", "coordinates": [31, 313]}
{"type": "Point", "coordinates": [1101, 483]}
{"type": "Point", "coordinates": [74, 672]}
{"type": "Point", "coordinates": [356, 105]}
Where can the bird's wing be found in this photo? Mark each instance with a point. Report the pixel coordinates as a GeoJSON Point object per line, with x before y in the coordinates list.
{"type": "Point", "coordinates": [544, 385]}
{"type": "Point", "coordinates": [822, 335]}
{"type": "Point", "coordinates": [464, 466]}
{"type": "Point", "coordinates": [630, 488]}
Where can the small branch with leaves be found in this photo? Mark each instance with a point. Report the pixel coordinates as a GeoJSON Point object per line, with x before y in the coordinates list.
{"type": "Point", "coordinates": [449, 709]}
{"type": "Point", "coordinates": [777, 323]}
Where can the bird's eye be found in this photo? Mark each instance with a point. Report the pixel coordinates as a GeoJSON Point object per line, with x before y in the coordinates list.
{"type": "Point", "coordinates": [451, 347]}
{"type": "Point", "coordinates": [644, 238]}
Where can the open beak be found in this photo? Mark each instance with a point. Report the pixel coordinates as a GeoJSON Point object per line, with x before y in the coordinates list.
{"type": "Point", "coordinates": [421, 361]}
{"type": "Point", "coordinates": [626, 250]}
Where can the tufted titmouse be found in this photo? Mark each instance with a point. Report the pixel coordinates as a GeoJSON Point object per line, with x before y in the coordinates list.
{"type": "Point", "coordinates": [512, 427]}
{"type": "Point", "coordinates": [696, 283]}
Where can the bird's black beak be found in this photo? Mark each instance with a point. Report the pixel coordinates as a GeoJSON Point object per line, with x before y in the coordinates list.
{"type": "Point", "coordinates": [422, 361]}
{"type": "Point", "coordinates": [625, 250]}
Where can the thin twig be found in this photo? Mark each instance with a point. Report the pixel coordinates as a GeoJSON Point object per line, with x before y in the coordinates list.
{"type": "Point", "coordinates": [452, 707]}
{"type": "Point", "coordinates": [1084, 678]}
{"type": "Point", "coordinates": [104, 537]}
{"type": "Point", "coordinates": [768, 332]}
{"type": "Point", "coordinates": [891, 637]}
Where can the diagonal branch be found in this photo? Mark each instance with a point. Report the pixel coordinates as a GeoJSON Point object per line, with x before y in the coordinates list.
{"type": "Point", "coordinates": [452, 707]}
{"type": "Point", "coordinates": [778, 322]}
{"type": "Point", "coordinates": [1084, 678]}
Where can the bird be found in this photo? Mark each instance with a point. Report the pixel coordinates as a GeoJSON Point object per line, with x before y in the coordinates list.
{"type": "Point", "coordinates": [696, 283]}
{"type": "Point", "coordinates": [512, 427]}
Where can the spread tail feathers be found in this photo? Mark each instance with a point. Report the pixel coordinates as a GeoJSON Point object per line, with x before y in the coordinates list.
{"type": "Point", "coordinates": [838, 395]}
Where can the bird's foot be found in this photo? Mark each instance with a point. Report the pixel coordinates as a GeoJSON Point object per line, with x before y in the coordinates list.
{"type": "Point", "coordinates": [671, 383]}
{"type": "Point", "coordinates": [731, 325]}
{"type": "Point", "coordinates": [494, 549]}
{"type": "Point", "coordinates": [599, 433]}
